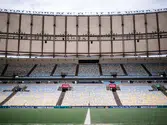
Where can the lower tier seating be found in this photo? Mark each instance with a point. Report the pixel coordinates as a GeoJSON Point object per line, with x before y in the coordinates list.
{"type": "Point", "coordinates": [82, 95]}
{"type": "Point", "coordinates": [39, 95]}
{"type": "Point", "coordinates": [140, 95]}
{"type": "Point", "coordinates": [95, 95]}
{"type": "Point", "coordinates": [4, 95]}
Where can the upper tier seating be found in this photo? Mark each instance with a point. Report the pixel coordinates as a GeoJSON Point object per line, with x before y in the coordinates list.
{"type": "Point", "coordinates": [42, 70]}
{"type": "Point", "coordinates": [85, 70]}
{"type": "Point", "coordinates": [108, 68]}
{"type": "Point", "coordinates": [82, 95]}
{"type": "Point", "coordinates": [20, 69]}
{"type": "Point", "coordinates": [66, 68]}
{"type": "Point", "coordinates": [2, 66]}
{"type": "Point", "coordinates": [156, 68]}
{"type": "Point", "coordinates": [88, 70]}
{"type": "Point", "coordinates": [140, 95]}
{"type": "Point", "coordinates": [4, 95]}
{"type": "Point", "coordinates": [135, 70]}
{"type": "Point", "coordinates": [39, 95]}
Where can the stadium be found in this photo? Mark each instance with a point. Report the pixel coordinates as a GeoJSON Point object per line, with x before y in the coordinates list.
{"type": "Point", "coordinates": [83, 67]}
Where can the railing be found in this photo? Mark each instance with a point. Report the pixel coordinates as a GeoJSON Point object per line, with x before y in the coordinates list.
{"type": "Point", "coordinates": [53, 107]}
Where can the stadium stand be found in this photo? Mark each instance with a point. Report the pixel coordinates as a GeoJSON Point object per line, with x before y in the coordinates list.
{"type": "Point", "coordinates": [108, 68]}
{"type": "Point", "coordinates": [66, 68]}
{"type": "Point", "coordinates": [89, 70]}
{"type": "Point", "coordinates": [39, 95]}
{"type": "Point", "coordinates": [42, 70]}
{"type": "Point", "coordinates": [140, 95]}
{"type": "Point", "coordinates": [82, 95]}
{"type": "Point", "coordinates": [156, 68]}
{"type": "Point", "coordinates": [20, 69]}
{"type": "Point", "coordinates": [84, 70]}
{"type": "Point", "coordinates": [135, 70]}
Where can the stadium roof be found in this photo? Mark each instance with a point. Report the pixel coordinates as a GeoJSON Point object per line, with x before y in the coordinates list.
{"type": "Point", "coordinates": [83, 5]}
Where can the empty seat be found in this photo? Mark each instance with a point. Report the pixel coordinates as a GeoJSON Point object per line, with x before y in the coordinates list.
{"type": "Point", "coordinates": [66, 68]}
{"type": "Point", "coordinates": [107, 69]}
{"type": "Point", "coordinates": [88, 70]}
{"type": "Point", "coordinates": [20, 69]}
{"type": "Point", "coordinates": [95, 95]}
{"type": "Point", "coordinates": [140, 95]}
{"type": "Point", "coordinates": [39, 95]}
{"type": "Point", "coordinates": [42, 70]}
{"type": "Point", "coordinates": [135, 70]}
{"type": "Point", "coordinates": [156, 68]}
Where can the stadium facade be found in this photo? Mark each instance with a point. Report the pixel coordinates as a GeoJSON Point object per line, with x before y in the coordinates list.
{"type": "Point", "coordinates": [121, 35]}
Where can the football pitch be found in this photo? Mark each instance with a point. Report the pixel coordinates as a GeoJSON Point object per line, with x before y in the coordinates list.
{"type": "Point", "coordinates": [131, 116]}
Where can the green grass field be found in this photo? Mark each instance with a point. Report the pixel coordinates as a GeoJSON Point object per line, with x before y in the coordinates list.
{"type": "Point", "coordinates": [77, 116]}
{"type": "Point", "coordinates": [130, 116]}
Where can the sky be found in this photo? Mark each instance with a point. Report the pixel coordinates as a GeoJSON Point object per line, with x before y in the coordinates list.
{"type": "Point", "coordinates": [82, 5]}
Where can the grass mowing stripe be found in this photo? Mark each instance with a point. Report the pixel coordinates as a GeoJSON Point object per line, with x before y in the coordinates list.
{"type": "Point", "coordinates": [129, 116]}
{"type": "Point", "coordinates": [73, 116]}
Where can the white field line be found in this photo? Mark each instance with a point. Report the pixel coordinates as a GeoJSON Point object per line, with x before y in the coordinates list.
{"type": "Point", "coordinates": [88, 119]}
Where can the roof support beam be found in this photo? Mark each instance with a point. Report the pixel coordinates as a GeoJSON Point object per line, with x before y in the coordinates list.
{"type": "Point", "coordinates": [111, 33]}
{"type": "Point", "coordinates": [7, 35]}
{"type": "Point", "coordinates": [31, 28]}
{"type": "Point", "coordinates": [88, 36]}
{"type": "Point", "coordinates": [77, 27]}
{"type": "Point", "coordinates": [65, 36]}
{"type": "Point", "coordinates": [54, 33]}
{"type": "Point", "coordinates": [19, 31]}
{"type": "Point", "coordinates": [159, 45]}
{"type": "Point", "coordinates": [43, 23]}
{"type": "Point", "coordinates": [146, 30]}
{"type": "Point", "coordinates": [134, 31]}
{"type": "Point", "coordinates": [100, 36]}
{"type": "Point", "coordinates": [123, 42]}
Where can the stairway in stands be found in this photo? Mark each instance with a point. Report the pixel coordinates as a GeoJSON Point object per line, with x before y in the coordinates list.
{"type": "Point", "coordinates": [124, 70]}
{"type": "Point", "coordinates": [4, 70]}
{"type": "Point", "coordinates": [77, 70]}
{"type": "Point", "coordinates": [161, 88]}
{"type": "Point", "coordinates": [100, 70]}
{"type": "Point", "coordinates": [117, 99]}
{"type": "Point", "coordinates": [8, 98]}
{"type": "Point", "coordinates": [32, 70]}
{"type": "Point", "coordinates": [154, 87]}
{"type": "Point", "coordinates": [148, 72]}
{"type": "Point", "coordinates": [61, 97]}
{"type": "Point", "coordinates": [54, 69]}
